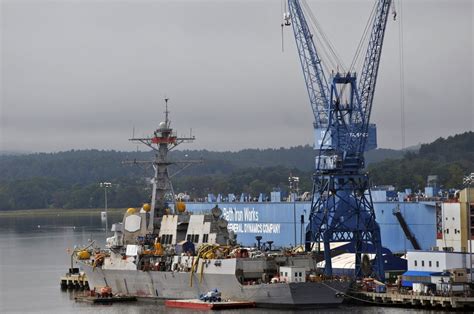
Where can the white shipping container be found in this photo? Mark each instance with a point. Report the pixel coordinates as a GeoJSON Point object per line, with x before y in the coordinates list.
{"type": "Point", "coordinates": [447, 287]}
{"type": "Point", "coordinates": [418, 287]}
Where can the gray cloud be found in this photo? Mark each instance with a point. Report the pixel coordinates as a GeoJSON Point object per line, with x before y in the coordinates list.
{"type": "Point", "coordinates": [82, 74]}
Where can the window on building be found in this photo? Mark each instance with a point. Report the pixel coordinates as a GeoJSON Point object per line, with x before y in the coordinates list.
{"type": "Point", "coordinates": [447, 231]}
{"type": "Point", "coordinates": [416, 264]}
{"type": "Point", "coordinates": [437, 263]}
{"type": "Point", "coordinates": [422, 263]}
{"type": "Point", "coordinates": [205, 238]}
{"type": "Point", "coordinates": [193, 238]}
{"type": "Point", "coordinates": [286, 274]}
{"type": "Point", "coordinates": [166, 239]}
{"type": "Point", "coordinates": [429, 263]}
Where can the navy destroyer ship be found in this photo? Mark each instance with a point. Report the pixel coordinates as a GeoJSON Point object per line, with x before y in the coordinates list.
{"type": "Point", "coordinates": [164, 251]}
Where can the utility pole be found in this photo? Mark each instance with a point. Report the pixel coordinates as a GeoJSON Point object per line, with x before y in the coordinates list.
{"type": "Point", "coordinates": [106, 185]}
{"type": "Point", "coordinates": [294, 181]}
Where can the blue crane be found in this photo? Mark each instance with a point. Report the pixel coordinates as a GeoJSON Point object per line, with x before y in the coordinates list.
{"type": "Point", "coordinates": [342, 208]}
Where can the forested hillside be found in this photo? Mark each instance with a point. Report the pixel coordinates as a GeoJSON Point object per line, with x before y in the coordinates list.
{"type": "Point", "coordinates": [70, 179]}
{"type": "Point", "coordinates": [88, 166]}
{"type": "Point", "coordinates": [450, 159]}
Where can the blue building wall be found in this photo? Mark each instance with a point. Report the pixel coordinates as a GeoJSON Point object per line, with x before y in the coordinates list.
{"type": "Point", "coordinates": [420, 217]}
{"type": "Point", "coordinates": [275, 222]}
{"type": "Point", "coordinates": [272, 221]}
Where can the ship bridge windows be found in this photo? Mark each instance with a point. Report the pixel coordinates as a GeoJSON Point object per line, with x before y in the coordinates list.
{"type": "Point", "coordinates": [193, 238]}
{"type": "Point", "coordinates": [166, 239]}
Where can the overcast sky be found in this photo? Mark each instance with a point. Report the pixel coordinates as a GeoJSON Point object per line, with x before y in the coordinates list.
{"type": "Point", "coordinates": [83, 74]}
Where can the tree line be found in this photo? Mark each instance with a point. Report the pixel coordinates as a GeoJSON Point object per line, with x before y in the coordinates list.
{"type": "Point", "coordinates": [71, 179]}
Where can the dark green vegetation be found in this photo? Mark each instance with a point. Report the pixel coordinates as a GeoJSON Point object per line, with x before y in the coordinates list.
{"type": "Point", "coordinates": [450, 159]}
{"type": "Point", "coordinates": [70, 179]}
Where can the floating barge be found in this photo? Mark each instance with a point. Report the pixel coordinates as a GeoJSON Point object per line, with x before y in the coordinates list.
{"type": "Point", "coordinates": [108, 300]}
{"type": "Point", "coordinates": [197, 304]}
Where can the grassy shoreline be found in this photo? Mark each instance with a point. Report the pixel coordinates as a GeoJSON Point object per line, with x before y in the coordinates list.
{"type": "Point", "coordinates": [58, 212]}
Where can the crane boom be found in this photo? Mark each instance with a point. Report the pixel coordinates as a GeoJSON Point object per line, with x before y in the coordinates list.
{"type": "Point", "coordinates": [369, 72]}
{"type": "Point", "coordinates": [316, 83]}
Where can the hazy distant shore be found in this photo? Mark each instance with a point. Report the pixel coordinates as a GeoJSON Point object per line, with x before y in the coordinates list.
{"type": "Point", "coordinates": [58, 212]}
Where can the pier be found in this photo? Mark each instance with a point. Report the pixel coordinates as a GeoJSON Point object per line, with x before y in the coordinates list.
{"type": "Point", "coordinates": [74, 280]}
{"type": "Point", "coordinates": [395, 298]}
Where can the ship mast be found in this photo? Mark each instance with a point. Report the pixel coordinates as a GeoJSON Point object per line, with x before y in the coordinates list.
{"type": "Point", "coordinates": [164, 139]}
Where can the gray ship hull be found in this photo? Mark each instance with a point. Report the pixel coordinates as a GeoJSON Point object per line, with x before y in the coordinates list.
{"type": "Point", "coordinates": [178, 285]}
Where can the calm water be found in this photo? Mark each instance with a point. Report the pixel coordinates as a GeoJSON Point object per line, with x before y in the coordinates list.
{"type": "Point", "coordinates": [33, 255]}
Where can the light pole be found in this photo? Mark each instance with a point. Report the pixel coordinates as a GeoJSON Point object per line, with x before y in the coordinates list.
{"type": "Point", "coordinates": [106, 185]}
{"type": "Point", "coordinates": [294, 188]}
{"type": "Point", "coordinates": [467, 181]}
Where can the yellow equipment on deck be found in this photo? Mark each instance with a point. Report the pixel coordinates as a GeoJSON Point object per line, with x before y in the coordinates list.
{"type": "Point", "coordinates": [83, 255]}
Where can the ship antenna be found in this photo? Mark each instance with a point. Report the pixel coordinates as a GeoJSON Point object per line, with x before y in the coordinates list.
{"type": "Point", "coordinates": [167, 112]}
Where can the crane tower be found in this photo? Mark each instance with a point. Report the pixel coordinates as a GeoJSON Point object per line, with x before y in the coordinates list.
{"type": "Point", "coordinates": [342, 208]}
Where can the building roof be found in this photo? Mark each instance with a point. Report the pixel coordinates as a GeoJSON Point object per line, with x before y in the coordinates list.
{"type": "Point", "coordinates": [349, 247]}
{"type": "Point", "coordinates": [343, 261]}
{"type": "Point", "coordinates": [418, 273]}
{"type": "Point", "coordinates": [347, 261]}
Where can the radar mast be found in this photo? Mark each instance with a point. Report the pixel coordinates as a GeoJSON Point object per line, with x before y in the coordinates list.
{"type": "Point", "coordinates": [164, 139]}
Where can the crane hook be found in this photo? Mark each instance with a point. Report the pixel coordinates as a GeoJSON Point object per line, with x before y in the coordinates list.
{"type": "Point", "coordinates": [286, 18]}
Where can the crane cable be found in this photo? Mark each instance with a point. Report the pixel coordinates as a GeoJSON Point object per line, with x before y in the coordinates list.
{"type": "Point", "coordinates": [363, 41]}
{"type": "Point", "coordinates": [283, 11]}
{"type": "Point", "coordinates": [327, 60]}
{"type": "Point", "coordinates": [402, 73]}
{"type": "Point", "coordinates": [324, 38]}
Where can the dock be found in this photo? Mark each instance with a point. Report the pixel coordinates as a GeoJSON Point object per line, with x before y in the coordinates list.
{"type": "Point", "coordinates": [197, 304]}
{"type": "Point", "coordinates": [74, 280]}
{"type": "Point", "coordinates": [415, 300]}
